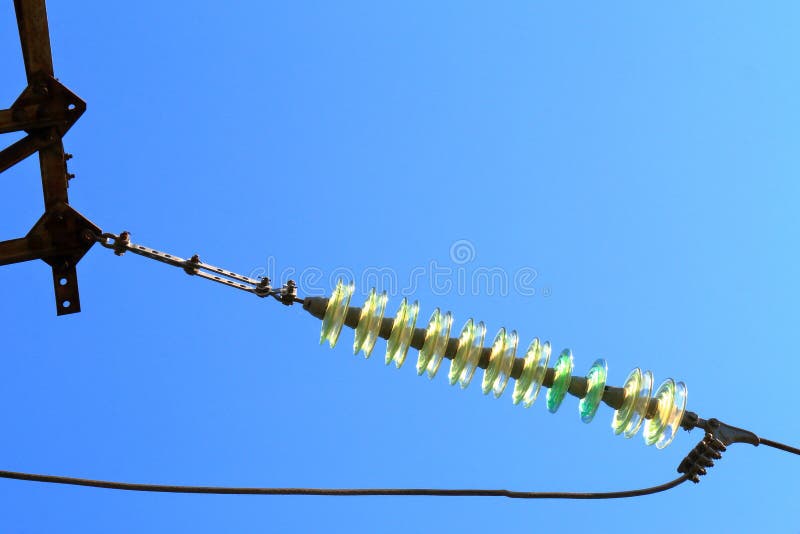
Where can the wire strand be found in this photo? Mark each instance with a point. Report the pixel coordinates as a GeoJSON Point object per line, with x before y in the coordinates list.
{"type": "Point", "coordinates": [334, 492]}
{"type": "Point", "coordinates": [778, 445]}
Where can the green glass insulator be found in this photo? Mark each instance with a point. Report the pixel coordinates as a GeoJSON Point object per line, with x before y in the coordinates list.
{"type": "Point", "coordinates": [469, 353]}
{"type": "Point", "coordinates": [563, 374]}
{"type": "Point", "coordinates": [335, 312]}
{"type": "Point", "coordinates": [506, 364]}
{"type": "Point", "coordinates": [630, 390]}
{"type": "Point", "coordinates": [674, 421]}
{"type": "Point", "coordinates": [595, 385]}
{"type": "Point", "coordinates": [369, 324]}
{"type": "Point", "coordinates": [640, 405]}
{"type": "Point", "coordinates": [528, 385]}
{"type": "Point", "coordinates": [439, 346]}
{"type": "Point", "coordinates": [402, 331]}
{"type": "Point", "coordinates": [495, 357]}
{"type": "Point", "coordinates": [665, 400]}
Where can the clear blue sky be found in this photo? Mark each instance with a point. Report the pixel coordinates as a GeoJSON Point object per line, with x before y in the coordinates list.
{"type": "Point", "coordinates": [640, 160]}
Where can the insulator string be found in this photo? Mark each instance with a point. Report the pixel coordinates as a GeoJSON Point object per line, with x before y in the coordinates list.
{"type": "Point", "coordinates": [660, 413]}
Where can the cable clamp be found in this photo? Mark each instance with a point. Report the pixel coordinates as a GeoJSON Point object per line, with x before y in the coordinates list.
{"type": "Point", "coordinates": [702, 458]}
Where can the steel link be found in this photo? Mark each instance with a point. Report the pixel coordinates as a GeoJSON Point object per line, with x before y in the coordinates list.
{"type": "Point", "coordinates": [193, 266]}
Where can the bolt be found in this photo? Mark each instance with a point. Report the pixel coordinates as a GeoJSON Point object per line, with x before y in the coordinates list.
{"type": "Point", "coordinates": [70, 176]}
{"type": "Point", "coordinates": [67, 156]}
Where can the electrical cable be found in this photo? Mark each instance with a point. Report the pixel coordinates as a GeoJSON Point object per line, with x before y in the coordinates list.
{"type": "Point", "coordinates": [334, 492]}
{"type": "Point", "coordinates": [778, 445]}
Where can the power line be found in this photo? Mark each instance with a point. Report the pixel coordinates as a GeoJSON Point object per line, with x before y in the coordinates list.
{"type": "Point", "coordinates": [342, 492]}
{"type": "Point", "coordinates": [693, 466]}
{"type": "Point", "coordinates": [778, 445]}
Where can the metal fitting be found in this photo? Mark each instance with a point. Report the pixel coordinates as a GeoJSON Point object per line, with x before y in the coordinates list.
{"type": "Point", "coordinates": [192, 265]}
{"type": "Point", "coordinates": [288, 293]}
{"type": "Point", "coordinates": [121, 243]}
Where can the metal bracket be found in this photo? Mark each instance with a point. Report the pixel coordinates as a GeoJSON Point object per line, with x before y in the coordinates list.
{"type": "Point", "coordinates": [60, 237]}
{"type": "Point", "coordinates": [46, 110]}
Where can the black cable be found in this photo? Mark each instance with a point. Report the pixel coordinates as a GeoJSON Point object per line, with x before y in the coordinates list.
{"type": "Point", "coordinates": [777, 445]}
{"type": "Point", "coordinates": [51, 479]}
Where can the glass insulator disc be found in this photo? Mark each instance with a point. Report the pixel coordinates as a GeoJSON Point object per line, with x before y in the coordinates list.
{"type": "Point", "coordinates": [464, 342]}
{"type": "Point", "coordinates": [563, 374]}
{"type": "Point", "coordinates": [335, 312]}
{"type": "Point", "coordinates": [471, 355]}
{"type": "Point", "coordinates": [674, 422]}
{"type": "Point", "coordinates": [402, 331]}
{"type": "Point", "coordinates": [493, 369]}
{"type": "Point", "coordinates": [630, 390]}
{"type": "Point", "coordinates": [529, 383]}
{"type": "Point", "coordinates": [525, 380]}
{"type": "Point", "coordinates": [664, 398]}
{"type": "Point", "coordinates": [440, 345]}
{"type": "Point", "coordinates": [506, 364]}
{"type": "Point", "coordinates": [642, 401]}
{"type": "Point", "coordinates": [369, 324]}
{"type": "Point", "coordinates": [595, 386]}
{"type": "Point", "coordinates": [431, 339]}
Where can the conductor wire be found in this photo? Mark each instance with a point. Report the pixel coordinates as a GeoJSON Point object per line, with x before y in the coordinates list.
{"type": "Point", "coordinates": [340, 492]}
{"type": "Point", "coordinates": [778, 445]}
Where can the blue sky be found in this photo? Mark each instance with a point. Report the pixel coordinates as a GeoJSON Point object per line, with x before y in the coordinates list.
{"type": "Point", "coordinates": [639, 161]}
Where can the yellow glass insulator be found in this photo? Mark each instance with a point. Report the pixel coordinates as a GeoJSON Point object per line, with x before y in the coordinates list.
{"type": "Point", "coordinates": [402, 331]}
{"type": "Point", "coordinates": [503, 363]}
{"type": "Point", "coordinates": [665, 400]}
{"type": "Point", "coordinates": [436, 337]}
{"type": "Point", "coordinates": [468, 354]}
{"type": "Point", "coordinates": [630, 392]}
{"type": "Point", "coordinates": [528, 385]}
{"type": "Point", "coordinates": [640, 405]}
{"type": "Point", "coordinates": [369, 324]}
{"type": "Point", "coordinates": [674, 422]}
{"type": "Point", "coordinates": [493, 369]}
{"type": "Point", "coordinates": [506, 364]}
{"type": "Point", "coordinates": [335, 312]}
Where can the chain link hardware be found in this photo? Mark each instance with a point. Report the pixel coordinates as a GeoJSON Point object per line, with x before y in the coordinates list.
{"type": "Point", "coordinates": [193, 266]}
